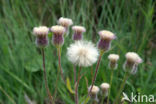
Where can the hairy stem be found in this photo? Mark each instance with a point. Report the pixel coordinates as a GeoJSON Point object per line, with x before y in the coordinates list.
{"type": "Point", "coordinates": [121, 87]}
{"type": "Point", "coordinates": [59, 60]}
{"type": "Point", "coordinates": [77, 85]}
{"type": "Point", "coordinates": [55, 92]}
{"type": "Point", "coordinates": [111, 79]}
{"type": "Point", "coordinates": [45, 79]}
{"type": "Point", "coordinates": [59, 71]}
{"type": "Point", "coordinates": [74, 69]}
{"type": "Point", "coordinates": [97, 67]}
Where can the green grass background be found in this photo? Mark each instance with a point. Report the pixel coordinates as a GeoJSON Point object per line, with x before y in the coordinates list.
{"type": "Point", "coordinates": [133, 21]}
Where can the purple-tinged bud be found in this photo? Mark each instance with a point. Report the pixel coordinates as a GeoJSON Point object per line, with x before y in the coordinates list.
{"type": "Point", "coordinates": [132, 61]}
{"type": "Point", "coordinates": [58, 32]}
{"type": "Point", "coordinates": [105, 40]}
{"type": "Point", "coordinates": [41, 33]}
{"type": "Point", "coordinates": [113, 58]}
{"type": "Point", "coordinates": [65, 22]}
{"type": "Point", "coordinates": [78, 31]}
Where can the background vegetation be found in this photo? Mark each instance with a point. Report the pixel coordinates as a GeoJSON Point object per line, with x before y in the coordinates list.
{"type": "Point", "coordinates": [133, 21]}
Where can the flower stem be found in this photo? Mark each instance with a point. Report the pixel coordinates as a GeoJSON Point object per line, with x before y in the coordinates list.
{"type": "Point", "coordinates": [112, 72]}
{"type": "Point", "coordinates": [45, 78]}
{"type": "Point", "coordinates": [94, 102]}
{"type": "Point", "coordinates": [59, 60]}
{"type": "Point", "coordinates": [103, 98]}
{"type": "Point", "coordinates": [97, 67]}
{"type": "Point", "coordinates": [121, 87]}
{"type": "Point", "coordinates": [74, 69]}
{"type": "Point", "coordinates": [59, 71]}
{"type": "Point", "coordinates": [77, 85]}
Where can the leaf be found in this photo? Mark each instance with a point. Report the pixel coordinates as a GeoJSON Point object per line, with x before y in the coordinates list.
{"type": "Point", "coordinates": [50, 35]}
{"type": "Point", "coordinates": [33, 65]}
{"type": "Point", "coordinates": [86, 100]}
{"type": "Point", "coordinates": [69, 86]}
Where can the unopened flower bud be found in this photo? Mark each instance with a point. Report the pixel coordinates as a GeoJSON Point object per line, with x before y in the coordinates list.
{"type": "Point", "coordinates": [105, 40]}
{"type": "Point", "coordinates": [41, 33]}
{"type": "Point", "coordinates": [105, 88]}
{"type": "Point", "coordinates": [58, 32]}
{"type": "Point", "coordinates": [132, 61]}
{"type": "Point", "coordinates": [78, 31]}
{"type": "Point", "coordinates": [113, 58]}
{"type": "Point", "coordinates": [94, 92]}
{"type": "Point", "coordinates": [65, 22]}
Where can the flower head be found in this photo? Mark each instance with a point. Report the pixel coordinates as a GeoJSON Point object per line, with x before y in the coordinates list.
{"type": "Point", "coordinates": [65, 22]}
{"type": "Point", "coordinates": [107, 35]}
{"type": "Point", "coordinates": [113, 58]}
{"type": "Point", "coordinates": [132, 61]}
{"type": "Point", "coordinates": [78, 30]}
{"type": "Point", "coordinates": [133, 57]}
{"type": "Point", "coordinates": [104, 87]}
{"type": "Point", "coordinates": [58, 30]}
{"type": "Point", "coordinates": [82, 53]}
{"type": "Point", "coordinates": [41, 33]}
{"type": "Point", "coordinates": [94, 92]}
{"type": "Point", "coordinates": [105, 40]}
{"type": "Point", "coordinates": [58, 38]}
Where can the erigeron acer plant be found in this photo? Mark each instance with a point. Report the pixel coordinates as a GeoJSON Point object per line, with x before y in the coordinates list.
{"type": "Point", "coordinates": [82, 53]}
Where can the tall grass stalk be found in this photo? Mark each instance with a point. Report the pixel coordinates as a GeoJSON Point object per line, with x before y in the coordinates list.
{"type": "Point", "coordinates": [45, 78]}
{"type": "Point", "coordinates": [121, 87]}
{"type": "Point", "coordinates": [9, 97]}
{"type": "Point", "coordinates": [111, 79]}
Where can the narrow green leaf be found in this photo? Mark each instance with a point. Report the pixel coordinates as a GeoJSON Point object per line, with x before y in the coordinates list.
{"type": "Point", "coordinates": [69, 86]}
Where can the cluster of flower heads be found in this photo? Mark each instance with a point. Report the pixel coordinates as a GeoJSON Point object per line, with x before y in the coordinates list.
{"type": "Point", "coordinates": [104, 88]}
{"type": "Point", "coordinates": [83, 53]}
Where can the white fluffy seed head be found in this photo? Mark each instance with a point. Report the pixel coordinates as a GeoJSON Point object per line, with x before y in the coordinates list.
{"type": "Point", "coordinates": [82, 53]}
{"type": "Point", "coordinates": [133, 57]}
{"type": "Point", "coordinates": [104, 86]}
{"type": "Point", "coordinates": [65, 22]}
{"type": "Point", "coordinates": [79, 29]}
{"type": "Point", "coordinates": [94, 90]}
{"type": "Point", "coordinates": [105, 34]}
{"type": "Point", "coordinates": [59, 30]}
{"type": "Point", "coordinates": [113, 57]}
{"type": "Point", "coordinates": [41, 30]}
